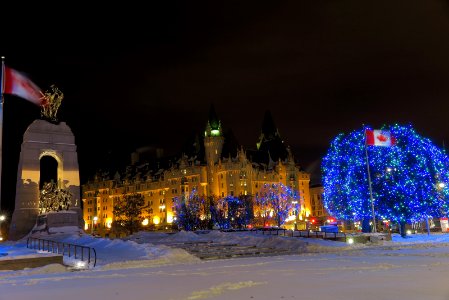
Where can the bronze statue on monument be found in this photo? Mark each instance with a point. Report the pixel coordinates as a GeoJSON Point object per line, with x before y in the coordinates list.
{"type": "Point", "coordinates": [51, 101]}
{"type": "Point", "coordinates": [50, 139]}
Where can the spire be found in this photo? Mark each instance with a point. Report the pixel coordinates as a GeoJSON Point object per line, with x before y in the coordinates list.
{"type": "Point", "coordinates": [213, 127]}
{"type": "Point", "coordinates": [183, 161]}
{"type": "Point", "coordinates": [213, 138]}
{"type": "Point", "coordinates": [241, 155]}
{"type": "Point", "coordinates": [270, 139]}
{"type": "Point", "coordinates": [271, 162]}
{"type": "Point", "coordinates": [290, 158]}
{"type": "Point", "coordinates": [269, 130]}
{"type": "Point", "coordinates": [213, 119]}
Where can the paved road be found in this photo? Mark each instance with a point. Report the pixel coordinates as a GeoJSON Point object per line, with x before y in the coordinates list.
{"type": "Point", "coordinates": [418, 272]}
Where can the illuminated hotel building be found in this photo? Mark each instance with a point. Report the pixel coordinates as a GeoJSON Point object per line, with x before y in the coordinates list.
{"type": "Point", "coordinates": [316, 200]}
{"type": "Point", "coordinates": [217, 168]}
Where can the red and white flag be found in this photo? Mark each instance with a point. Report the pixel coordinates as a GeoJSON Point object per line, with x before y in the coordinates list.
{"type": "Point", "coordinates": [19, 85]}
{"type": "Point", "coordinates": [379, 138]}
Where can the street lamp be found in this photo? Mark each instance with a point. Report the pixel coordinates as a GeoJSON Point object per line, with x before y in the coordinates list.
{"type": "Point", "coordinates": [295, 203]}
{"type": "Point", "coordinates": [94, 221]}
{"type": "Point", "coordinates": [2, 218]}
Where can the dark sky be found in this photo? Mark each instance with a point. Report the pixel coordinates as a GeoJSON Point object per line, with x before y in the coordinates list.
{"type": "Point", "coordinates": [147, 75]}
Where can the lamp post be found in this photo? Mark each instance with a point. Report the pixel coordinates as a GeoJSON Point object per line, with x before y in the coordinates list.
{"type": "Point", "coordinates": [94, 221]}
{"type": "Point", "coordinates": [2, 218]}
{"type": "Point", "coordinates": [295, 203]}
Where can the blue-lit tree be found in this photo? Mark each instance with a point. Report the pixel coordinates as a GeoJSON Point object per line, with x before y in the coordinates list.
{"type": "Point", "coordinates": [246, 215]}
{"type": "Point", "coordinates": [409, 179]}
{"type": "Point", "coordinates": [240, 210]}
{"type": "Point", "coordinates": [219, 212]}
{"type": "Point", "coordinates": [276, 202]}
{"type": "Point", "coordinates": [190, 211]}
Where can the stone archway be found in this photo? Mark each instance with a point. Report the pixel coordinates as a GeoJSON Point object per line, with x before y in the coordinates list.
{"type": "Point", "coordinates": [49, 168]}
{"type": "Point", "coordinates": [41, 139]}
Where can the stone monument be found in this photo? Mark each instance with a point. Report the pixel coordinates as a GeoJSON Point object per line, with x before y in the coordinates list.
{"type": "Point", "coordinates": [45, 138]}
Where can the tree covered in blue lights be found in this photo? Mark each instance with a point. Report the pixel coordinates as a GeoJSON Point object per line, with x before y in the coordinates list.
{"type": "Point", "coordinates": [276, 202]}
{"type": "Point", "coordinates": [409, 179]}
{"type": "Point", "coordinates": [240, 211]}
{"type": "Point", "coordinates": [218, 211]}
{"type": "Point", "coordinates": [232, 212]}
{"type": "Point", "coordinates": [192, 211]}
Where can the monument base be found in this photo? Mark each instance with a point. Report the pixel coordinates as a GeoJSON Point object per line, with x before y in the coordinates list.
{"type": "Point", "coordinates": [66, 221]}
{"type": "Point", "coordinates": [22, 220]}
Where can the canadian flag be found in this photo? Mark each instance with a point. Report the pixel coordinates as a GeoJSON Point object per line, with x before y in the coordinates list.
{"type": "Point", "coordinates": [15, 83]}
{"type": "Point", "coordinates": [379, 138]}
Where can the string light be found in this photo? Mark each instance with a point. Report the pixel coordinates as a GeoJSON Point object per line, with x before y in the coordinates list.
{"type": "Point", "coordinates": [279, 199]}
{"type": "Point", "coordinates": [409, 179]}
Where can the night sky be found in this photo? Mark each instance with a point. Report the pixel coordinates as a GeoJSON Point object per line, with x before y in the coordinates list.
{"type": "Point", "coordinates": [136, 76]}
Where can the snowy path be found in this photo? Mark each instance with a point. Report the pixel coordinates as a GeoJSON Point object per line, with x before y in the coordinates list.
{"type": "Point", "coordinates": [402, 273]}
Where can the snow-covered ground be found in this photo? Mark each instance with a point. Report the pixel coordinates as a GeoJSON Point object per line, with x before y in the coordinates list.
{"type": "Point", "coordinates": [148, 266]}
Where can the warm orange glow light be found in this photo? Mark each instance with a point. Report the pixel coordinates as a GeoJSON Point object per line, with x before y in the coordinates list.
{"type": "Point", "coordinates": [169, 217]}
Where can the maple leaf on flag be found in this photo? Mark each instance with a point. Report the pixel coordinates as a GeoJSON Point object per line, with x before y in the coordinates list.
{"type": "Point", "coordinates": [382, 138]}
{"type": "Point", "coordinates": [379, 138]}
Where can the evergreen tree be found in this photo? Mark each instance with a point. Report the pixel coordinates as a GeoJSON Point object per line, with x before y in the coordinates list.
{"type": "Point", "coordinates": [409, 180]}
{"type": "Point", "coordinates": [128, 212]}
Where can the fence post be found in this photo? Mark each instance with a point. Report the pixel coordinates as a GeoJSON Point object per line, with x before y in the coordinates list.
{"type": "Point", "coordinates": [31, 243]}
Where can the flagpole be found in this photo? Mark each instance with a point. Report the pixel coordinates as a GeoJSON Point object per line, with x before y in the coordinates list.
{"type": "Point", "coordinates": [369, 185]}
{"type": "Point", "coordinates": [1, 127]}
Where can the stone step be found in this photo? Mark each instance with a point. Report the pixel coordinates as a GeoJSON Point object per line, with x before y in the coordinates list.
{"type": "Point", "coordinates": [20, 263]}
{"type": "Point", "coordinates": [221, 251]}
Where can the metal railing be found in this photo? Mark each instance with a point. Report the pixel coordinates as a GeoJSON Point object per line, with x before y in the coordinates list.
{"type": "Point", "coordinates": [336, 236]}
{"type": "Point", "coordinates": [320, 234]}
{"type": "Point", "coordinates": [270, 230]}
{"type": "Point", "coordinates": [83, 253]}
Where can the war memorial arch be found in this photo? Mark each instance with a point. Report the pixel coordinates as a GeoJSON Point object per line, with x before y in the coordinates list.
{"type": "Point", "coordinates": [47, 144]}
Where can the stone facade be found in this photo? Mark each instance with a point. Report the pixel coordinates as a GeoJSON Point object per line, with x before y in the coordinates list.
{"type": "Point", "coordinates": [43, 138]}
{"type": "Point", "coordinates": [216, 175]}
